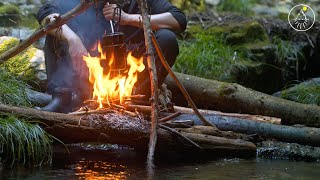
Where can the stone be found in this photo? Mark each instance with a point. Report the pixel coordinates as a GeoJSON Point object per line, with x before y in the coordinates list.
{"type": "Point", "coordinates": [212, 2]}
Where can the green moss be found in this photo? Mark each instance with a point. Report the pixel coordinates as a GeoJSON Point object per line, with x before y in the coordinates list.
{"type": "Point", "coordinates": [9, 9]}
{"type": "Point", "coordinates": [19, 65]}
{"type": "Point", "coordinates": [238, 6]}
{"type": "Point", "coordinates": [247, 33]}
{"type": "Point", "coordinates": [10, 15]}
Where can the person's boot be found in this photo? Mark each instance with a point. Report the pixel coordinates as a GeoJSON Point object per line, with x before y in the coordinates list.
{"type": "Point", "coordinates": [61, 101]}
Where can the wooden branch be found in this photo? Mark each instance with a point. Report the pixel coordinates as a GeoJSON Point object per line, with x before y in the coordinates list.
{"type": "Point", "coordinates": [181, 87]}
{"type": "Point", "coordinates": [153, 79]}
{"type": "Point", "coordinates": [180, 135]}
{"type": "Point", "coordinates": [170, 117]}
{"type": "Point", "coordinates": [47, 117]}
{"type": "Point", "coordinates": [85, 4]}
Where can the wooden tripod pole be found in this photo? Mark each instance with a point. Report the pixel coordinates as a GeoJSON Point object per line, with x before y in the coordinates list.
{"type": "Point", "coordinates": [183, 90]}
{"type": "Point", "coordinates": [154, 82]}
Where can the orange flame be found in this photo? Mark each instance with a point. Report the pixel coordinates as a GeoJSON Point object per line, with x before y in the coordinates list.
{"type": "Point", "coordinates": [106, 87]}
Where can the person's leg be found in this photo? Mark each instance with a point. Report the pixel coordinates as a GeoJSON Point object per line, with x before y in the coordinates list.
{"type": "Point", "coordinates": [58, 66]}
{"type": "Point", "coordinates": [169, 46]}
{"type": "Point", "coordinates": [60, 76]}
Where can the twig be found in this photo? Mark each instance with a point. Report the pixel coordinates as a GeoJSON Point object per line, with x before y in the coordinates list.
{"type": "Point", "coordinates": [117, 106]}
{"type": "Point", "coordinates": [181, 87]}
{"type": "Point", "coordinates": [181, 136]}
{"type": "Point", "coordinates": [141, 102]}
{"type": "Point", "coordinates": [128, 112]}
{"type": "Point", "coordinates": [85, 4]}
{"type": "Point", "coordinates": [98, 111]}
{"type": "Point", "coordinates": [170, 117]}
{"type": "Point", "coordinates": [154, 83]}
{"type": "Point", "coordinates": [200, 18]}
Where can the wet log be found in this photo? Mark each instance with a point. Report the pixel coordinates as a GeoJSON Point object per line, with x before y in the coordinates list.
{"type": "Point", "coordinates": [301, 135]}
{"type": "Point", "coordinates": [122, 129]}
{"type": "Point", "coordinates": [231, 97]}
{"type": "Point", "coordinates": [38, 98]}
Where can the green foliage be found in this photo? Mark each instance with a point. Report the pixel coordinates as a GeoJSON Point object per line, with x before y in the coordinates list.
{"type": "Point", "coordinates": [188, 6]}
{"type": "Point", "coordinates": [307, 94]}
{"type": "Point", "coordinates": [13, 90]}
{"type": "Point", "coordinates": [29, 21]}
{"type": "Point", "coordinates": [240, 6]}
{"type": "Point", "coordinates": [208, 56]}
{"type": "Point", "coordinates": [286, 51]}
{"type": "Point", "coordinates": [19, 65]}
{"type": "Point", "coordinates": [288, 54]}
{"type": "Point", "coordinates": [10, 15]}
{"type": "Point", "coordinates": [22, 142]}
{"type": "Point", "coordinates": [9, 9]}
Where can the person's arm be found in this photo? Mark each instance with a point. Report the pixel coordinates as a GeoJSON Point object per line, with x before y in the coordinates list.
{"type": "Point", "coordinates": [64, 33]}
{"type": "Point", "coordinates": [157, 21]}
{"type": "Point", "coordinates": [76, 49]}
{"type": "Point", "coordinates": [162, 17]}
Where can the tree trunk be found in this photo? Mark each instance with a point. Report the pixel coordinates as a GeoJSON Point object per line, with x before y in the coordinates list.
{"type": "Point", "coordinates": [231, 97]}
{"type": "Point", "coordinates": [115, 128]}
{"type": "Point", "coordinates": [301, 135]}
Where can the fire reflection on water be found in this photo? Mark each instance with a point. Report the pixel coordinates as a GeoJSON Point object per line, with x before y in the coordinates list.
{"type": "Point", "coordinates": [100, 170]}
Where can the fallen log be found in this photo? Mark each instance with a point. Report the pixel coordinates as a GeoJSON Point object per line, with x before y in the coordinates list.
{"type": "Point", "coordinates": [38, 98]}
{"type": "Point", "coordinates": [301, 135]}
{"type": "Point", "coordinates": [115, 128]}
{"type": "Point", "coordinates": [266, 119]}
{"type": "Point", "coordinates": [231, 97]}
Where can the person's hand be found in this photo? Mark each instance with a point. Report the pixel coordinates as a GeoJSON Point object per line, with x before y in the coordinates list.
{"type": "Point", "coordinates": [77, 51]}
{"type": "Point", "coordinates": [108, 12]}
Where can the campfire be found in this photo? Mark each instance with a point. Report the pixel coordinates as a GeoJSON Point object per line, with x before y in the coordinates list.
{"type": "Point", "coordinates": [109, 85]}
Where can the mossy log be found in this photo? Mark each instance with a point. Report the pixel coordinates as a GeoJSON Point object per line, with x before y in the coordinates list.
{"type": "Point", "coordinates": [116, 128]}
{"type": "Point", "coordinates": [231, 97]}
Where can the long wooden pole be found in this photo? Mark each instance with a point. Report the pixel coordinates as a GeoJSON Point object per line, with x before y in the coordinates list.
{"type": "Point", "coordinates": [61, 20]}
{"type": "Point", "coordinates": [154, 82]}
{"type": "Point", "coordinates": [181, 87]}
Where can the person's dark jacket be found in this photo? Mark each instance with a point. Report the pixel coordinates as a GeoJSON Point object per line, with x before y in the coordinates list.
{"type": "Point", "coordinates": [91, 25]}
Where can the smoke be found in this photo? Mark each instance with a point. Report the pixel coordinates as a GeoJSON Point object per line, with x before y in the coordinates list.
{"type": "Point", "coordinates": [90, 26]}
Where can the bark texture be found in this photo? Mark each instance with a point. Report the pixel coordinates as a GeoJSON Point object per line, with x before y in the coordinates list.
{"type": "Point", "coordinates": [301, 135]}
{"type": "Point", "coordinates": [116, 128]}
{"type": "Point", "coordinates": [230, 97]}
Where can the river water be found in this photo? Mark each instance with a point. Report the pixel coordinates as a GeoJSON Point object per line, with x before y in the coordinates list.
{"type": "Point", "coordinates": [117, 163]}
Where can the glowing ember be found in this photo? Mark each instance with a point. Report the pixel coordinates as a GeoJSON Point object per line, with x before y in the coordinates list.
{"type": "Point", "coordinates": [108, 85]}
